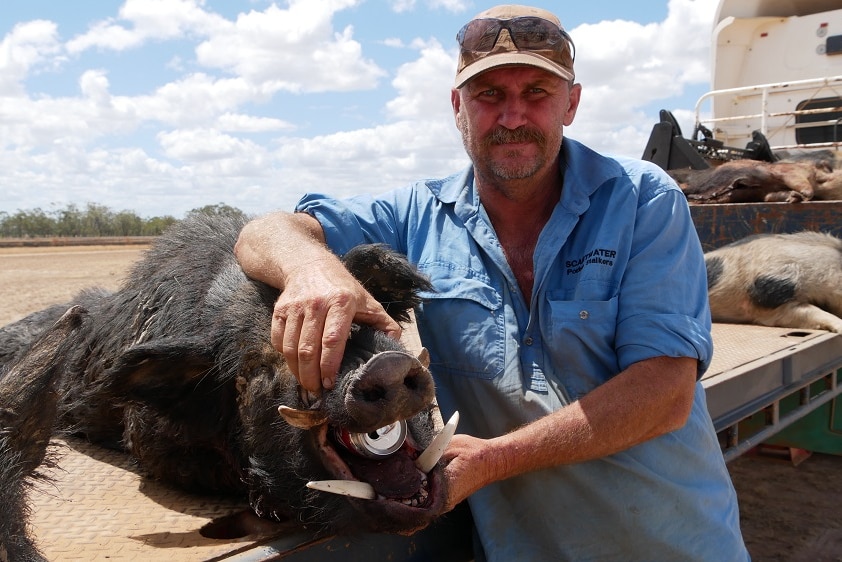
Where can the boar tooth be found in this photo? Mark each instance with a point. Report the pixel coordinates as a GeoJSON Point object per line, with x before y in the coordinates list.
{"type": "Point", "coordinates": [424, 357]}
{"type": "Point", "coordinates": [351, 488]}
{"type": "Point", "coordinates": [302, 419]}
{"type": "Point", "coordinates": [428, 459]}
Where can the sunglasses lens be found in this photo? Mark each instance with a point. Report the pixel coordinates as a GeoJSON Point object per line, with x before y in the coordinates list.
{"type": "Point", "coordinates": [534, 33]}
{"type": "Point", "coordinates": [479, 35]}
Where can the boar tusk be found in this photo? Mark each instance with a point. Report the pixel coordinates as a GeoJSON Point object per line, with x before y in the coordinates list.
{"type": "Point", "coordinates": [302, 419]}
{"type": "Point", "coordinates": [351, 488]}
{"type": "Point", "coordinates": [424, 357]}
{"type": "Point", "coordinates": [428, 459]}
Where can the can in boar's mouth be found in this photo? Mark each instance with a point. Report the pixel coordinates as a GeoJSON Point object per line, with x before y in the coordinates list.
{"type": "Point", "coordinates": [375, 444]}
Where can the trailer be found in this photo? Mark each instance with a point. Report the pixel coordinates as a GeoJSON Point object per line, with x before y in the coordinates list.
{"type": "Point", "coordinates": [776, 77]}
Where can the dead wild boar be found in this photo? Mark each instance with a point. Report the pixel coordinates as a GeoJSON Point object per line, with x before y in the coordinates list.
{"type": "Point", "coordinates": [177, 368]}
{"type": "Point", "coordinates": [747, 181]}
{"type": "Point", "coordinates": [786, 280]}
{"type": "Point", "coordinates": [27, 413]}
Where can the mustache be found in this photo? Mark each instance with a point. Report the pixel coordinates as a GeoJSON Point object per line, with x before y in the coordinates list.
{"type": "Point", "coordinates": [502, 135]}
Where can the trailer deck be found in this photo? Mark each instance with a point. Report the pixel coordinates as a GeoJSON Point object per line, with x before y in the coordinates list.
{"type": "Point", "coordinates": [764, 379]}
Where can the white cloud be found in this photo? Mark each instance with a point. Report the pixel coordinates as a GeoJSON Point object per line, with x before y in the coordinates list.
{"type": "Point", "coordinates": [241, 123]}
{"type": "Point", "coordinates": [424, 85]}
{"type": "Point", "coordinates": [28, 45]}
{"type": "Point", "coordinates": [148, 20]}
{"type": "Point", "coordinates": [401, 6]}
{"type": "Point", "coordinates": [295, 50]}
{"type": "Point", "coordinates": [455, 6]}
{"type": "Point", "coordinates": [205, 145]}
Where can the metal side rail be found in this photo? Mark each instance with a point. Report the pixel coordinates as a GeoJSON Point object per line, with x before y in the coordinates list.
{"type": "Point", "coordinates": [756, 369]}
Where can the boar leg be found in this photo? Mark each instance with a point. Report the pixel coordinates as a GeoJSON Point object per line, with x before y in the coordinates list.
{"type": "Point", "coordinates": [27, 414]}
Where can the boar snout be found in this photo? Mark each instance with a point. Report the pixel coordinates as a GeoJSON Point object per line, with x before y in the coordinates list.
{"type": "Point", "coordinates": [391, 386]}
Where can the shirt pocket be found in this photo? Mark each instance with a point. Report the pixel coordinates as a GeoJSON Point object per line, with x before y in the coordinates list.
{"type": "Point", "coordinates": [462, 324]}
{"type": "Point", "coordinates": [583, 342]}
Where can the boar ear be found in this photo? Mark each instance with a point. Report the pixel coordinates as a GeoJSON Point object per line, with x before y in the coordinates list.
{"type": "Point", "coordinates": [389, 277]}
{"type": "Point", "coordinates": [162, 372]}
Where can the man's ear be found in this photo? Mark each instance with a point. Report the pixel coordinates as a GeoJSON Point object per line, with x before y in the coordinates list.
{"type": "Point", "coordinates": [455, 101]}
{"type": "Point", "coordinates": [575, 95]}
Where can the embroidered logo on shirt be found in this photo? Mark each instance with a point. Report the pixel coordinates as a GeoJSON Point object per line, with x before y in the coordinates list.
{"type": "Point", "coordinates": [598, 256]}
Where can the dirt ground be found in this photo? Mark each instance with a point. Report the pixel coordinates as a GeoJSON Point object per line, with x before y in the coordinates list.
{"type": "Point", "coordinates": [789, 513]}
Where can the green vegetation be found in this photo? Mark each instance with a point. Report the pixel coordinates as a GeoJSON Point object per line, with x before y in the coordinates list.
{"type": "Point", "coordinates": [93, 220]}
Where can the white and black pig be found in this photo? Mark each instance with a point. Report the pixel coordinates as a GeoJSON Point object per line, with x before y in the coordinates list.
{"type": "Point", "coordinates": [786, 280]}
{"type": "Point", "coordinates": [176, 367]}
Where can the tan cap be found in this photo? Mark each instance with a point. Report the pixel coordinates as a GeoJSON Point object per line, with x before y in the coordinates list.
{"type": "Point", "coordinates": [557, 59]}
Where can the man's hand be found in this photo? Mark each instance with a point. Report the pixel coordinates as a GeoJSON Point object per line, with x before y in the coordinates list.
{"type": "Point", "coordinates": [312, 320]}
{"type": "Point", "coordinates": [467, 470]}
{"type": "Point", "coordinates": [319, 298]}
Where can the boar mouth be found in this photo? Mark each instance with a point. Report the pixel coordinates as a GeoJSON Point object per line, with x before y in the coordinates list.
{"type": "Point", "coordinates": [394, 477]}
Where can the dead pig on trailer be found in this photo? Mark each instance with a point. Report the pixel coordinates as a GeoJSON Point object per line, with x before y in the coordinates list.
{"type": "Point", "coordinates": [774, 386]}
{"type": "Point", "coordinates": [100, 507]}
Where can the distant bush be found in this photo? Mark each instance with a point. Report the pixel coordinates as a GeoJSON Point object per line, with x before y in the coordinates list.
{"type": "Point", "coordinates": [92, 221]}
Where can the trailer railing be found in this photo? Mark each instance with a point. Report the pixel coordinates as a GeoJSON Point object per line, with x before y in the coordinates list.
{"type": "Point", "coordinates": [761, 120]}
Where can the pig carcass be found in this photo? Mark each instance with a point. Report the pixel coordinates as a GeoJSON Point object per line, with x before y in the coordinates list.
{"type": "Point", "coordinates": [176, 367]}
{"type": "Point", "coordinates": [786, 280]}
{"type": "Point", "coordinates": [747, 181]}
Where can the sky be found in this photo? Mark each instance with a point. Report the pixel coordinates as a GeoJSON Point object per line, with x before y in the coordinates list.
{"type": "Point", "coordinates": [163, 106]}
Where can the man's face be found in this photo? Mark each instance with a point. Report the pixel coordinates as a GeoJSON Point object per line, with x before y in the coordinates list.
{"type": "Point", "coordinates": [511, 120]}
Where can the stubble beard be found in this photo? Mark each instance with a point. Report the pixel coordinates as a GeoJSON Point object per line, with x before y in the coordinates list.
{"type": "Point", "coordinates": [510, 167]}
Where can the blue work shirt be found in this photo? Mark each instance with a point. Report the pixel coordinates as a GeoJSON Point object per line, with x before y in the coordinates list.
{"type": "Point", "coordinates": [619, 278]}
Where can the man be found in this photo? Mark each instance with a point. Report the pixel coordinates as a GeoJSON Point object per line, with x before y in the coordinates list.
{"type": "Point", "coordinates": [569, 325]}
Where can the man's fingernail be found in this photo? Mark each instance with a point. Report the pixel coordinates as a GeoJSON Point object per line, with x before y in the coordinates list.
{"type": "Point", "coordinates": [327, 383]}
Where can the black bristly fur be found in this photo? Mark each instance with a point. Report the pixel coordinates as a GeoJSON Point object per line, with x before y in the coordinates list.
{"type": "Point", "coordinates": [176, 367]}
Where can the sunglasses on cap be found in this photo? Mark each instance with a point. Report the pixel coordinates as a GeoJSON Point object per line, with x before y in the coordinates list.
{"type": "Point", "coordinates": [528, 33]}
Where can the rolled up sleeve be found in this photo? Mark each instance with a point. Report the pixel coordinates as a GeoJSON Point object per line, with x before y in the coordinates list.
{"type": "Point", "coordinates": [664, 308]}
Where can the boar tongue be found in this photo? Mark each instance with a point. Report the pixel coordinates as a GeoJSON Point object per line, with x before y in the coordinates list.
{"type": "Point", "coordinates": [393, 477]}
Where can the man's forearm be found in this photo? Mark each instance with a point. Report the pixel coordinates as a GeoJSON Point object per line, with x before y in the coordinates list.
{"type": "Point", "coordinates": [270, 245]}
{"type": "Point", "coordinates": [652, 398]}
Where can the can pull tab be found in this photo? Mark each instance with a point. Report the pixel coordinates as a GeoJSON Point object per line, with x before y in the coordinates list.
{"type": "Point", "coordinates": [378, 443]}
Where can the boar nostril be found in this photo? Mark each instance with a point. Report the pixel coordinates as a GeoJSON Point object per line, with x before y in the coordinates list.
{"type": "Point", "coordinates": [373, 394]}
{"type": "Point", "coordinates": [411, 382]}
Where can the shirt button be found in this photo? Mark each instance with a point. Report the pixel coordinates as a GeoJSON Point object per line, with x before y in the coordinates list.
{"type": "Point", "coordinates": [528, 341]}
{"type": "Point", "coordinates": [584, 314]}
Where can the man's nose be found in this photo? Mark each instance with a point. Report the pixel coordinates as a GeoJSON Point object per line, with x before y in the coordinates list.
{"type": "Point", "coordinates": [512, 113]}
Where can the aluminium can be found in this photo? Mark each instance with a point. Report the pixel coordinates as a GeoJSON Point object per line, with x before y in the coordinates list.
{"type": "Point", "coordinates": [379, 443]}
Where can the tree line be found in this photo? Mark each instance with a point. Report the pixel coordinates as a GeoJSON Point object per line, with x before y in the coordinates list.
{"type": "Point", "coordinates": [92, 220]}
